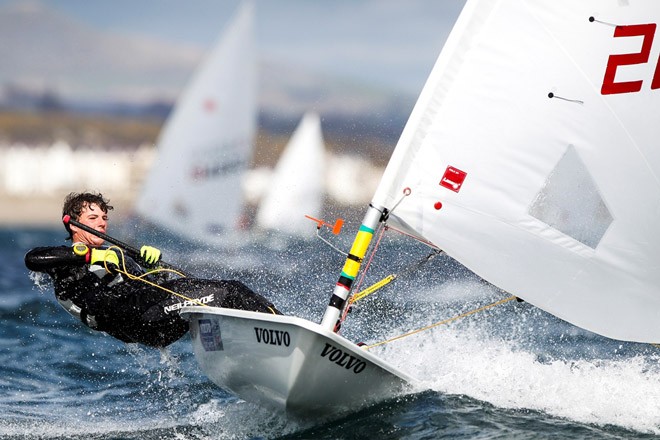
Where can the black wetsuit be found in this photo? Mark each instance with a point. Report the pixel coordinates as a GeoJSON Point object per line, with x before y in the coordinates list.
{"type": "Point", "coordinates": [131, 310]}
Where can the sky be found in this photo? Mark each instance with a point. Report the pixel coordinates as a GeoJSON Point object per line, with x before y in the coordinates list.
{"type": "Point", "coordinates": [391, 43]}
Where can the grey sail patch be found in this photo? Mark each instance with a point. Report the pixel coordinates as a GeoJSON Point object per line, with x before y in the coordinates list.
{"type": "Point", "coordinates": [571, 202]}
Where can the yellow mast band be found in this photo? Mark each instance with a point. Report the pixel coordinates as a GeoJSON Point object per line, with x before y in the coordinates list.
{"type": "Point", "coordinates": [358, 251]}
{"type": "Point", "coordinates": [361, 243]}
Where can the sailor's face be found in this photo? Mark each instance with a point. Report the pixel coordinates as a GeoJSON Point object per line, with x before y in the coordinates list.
{"type": "Point", "coordinates": [94, 217]}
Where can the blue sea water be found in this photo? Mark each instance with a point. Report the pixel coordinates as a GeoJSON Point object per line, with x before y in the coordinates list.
{"type": "Point", "coordinates": [510, 372]}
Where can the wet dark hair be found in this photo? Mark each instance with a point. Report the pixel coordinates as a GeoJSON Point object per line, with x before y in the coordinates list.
{"type": "Point", "coordinates": [75, 202]}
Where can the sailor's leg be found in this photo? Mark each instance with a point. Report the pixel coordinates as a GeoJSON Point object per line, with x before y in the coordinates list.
{"type": "Point", "coordinates": [159, 323]}
{"type": "Point", "coordinates": [220, 293]}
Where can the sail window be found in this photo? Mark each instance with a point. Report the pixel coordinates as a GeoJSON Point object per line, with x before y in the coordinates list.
{"type": "Point", "coordinates": [571, 203]}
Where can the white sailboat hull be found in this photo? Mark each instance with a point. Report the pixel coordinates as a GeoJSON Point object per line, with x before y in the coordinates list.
{"type": "Point", "coordinates": [288, 363]}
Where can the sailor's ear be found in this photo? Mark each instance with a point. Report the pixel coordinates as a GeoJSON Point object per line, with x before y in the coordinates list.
{"type": "Point", "coordinates": [74, 231]}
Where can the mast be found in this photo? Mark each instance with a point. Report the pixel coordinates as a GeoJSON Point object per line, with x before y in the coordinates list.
{"type": "Point", "coordinates": [351, 267]}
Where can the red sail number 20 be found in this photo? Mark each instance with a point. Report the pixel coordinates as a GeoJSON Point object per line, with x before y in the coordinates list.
{"type": "Point", "coordinates": [647, 31]}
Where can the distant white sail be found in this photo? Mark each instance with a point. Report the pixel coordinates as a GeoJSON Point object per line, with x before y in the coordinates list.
{"type": "Point", "coordinates": [532, 157]}
{"type": "Point", "coordinates": [296, 187]}
{"type": "Point", "coordinates": [194, 187]}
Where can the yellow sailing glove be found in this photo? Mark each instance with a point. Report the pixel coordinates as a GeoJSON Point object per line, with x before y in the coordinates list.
{"type": "Point", "coordinates": [150, 254]}
{"type": "Point", "coordinates": [104, 257]}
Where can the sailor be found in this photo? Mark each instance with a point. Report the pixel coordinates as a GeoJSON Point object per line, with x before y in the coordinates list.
{"type": "Point", "coordinates": [89, 283]}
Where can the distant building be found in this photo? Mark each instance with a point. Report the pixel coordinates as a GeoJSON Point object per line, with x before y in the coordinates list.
{"type": "Point", "coordinates": [57, 169]}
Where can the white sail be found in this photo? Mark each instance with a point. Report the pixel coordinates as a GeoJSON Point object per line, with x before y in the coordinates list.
{"type": "Point", "coordinates": [532, 158]}
{"type": "Point", "coordinates": [194, 187]}
{"type": "Point", "coordinates": [296, 187]}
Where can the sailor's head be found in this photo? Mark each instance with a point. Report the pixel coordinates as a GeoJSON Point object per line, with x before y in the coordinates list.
{"type": "Point", "coordinates": [90, 209]}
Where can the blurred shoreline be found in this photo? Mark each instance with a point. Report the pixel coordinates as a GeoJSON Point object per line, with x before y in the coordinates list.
{"type": "Point", "coordinates": [44, 156]}
{"type": "Point", "coordinates": [45, 211]}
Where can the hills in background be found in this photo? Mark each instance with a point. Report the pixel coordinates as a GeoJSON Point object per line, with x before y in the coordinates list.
{"type": "Point", "coordinates": [47, 50]}
{"type": "Point", "coordinates": [54, 63]}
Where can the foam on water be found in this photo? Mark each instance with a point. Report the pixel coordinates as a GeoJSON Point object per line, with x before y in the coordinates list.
{"type": "Point", "coordinates": [239, 420]}
{"type": "Point", "coordinates": [469, 360]}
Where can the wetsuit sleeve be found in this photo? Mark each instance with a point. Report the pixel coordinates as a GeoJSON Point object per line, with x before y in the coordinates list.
{"type": "Point", "coordinates": [43, 259]}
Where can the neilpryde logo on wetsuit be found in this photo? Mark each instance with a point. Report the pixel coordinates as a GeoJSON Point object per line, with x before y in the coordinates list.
{"type": "Point", "coordinates": [189, 302]}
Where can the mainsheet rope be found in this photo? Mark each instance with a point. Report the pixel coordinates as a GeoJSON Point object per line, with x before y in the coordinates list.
{"type": "Point", "coordinates": [151, 272]}
{"type": "Point", "coordinates": [446, 321]}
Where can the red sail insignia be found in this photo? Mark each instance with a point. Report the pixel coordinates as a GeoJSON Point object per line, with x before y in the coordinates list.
{"type": "Point", "coordinates": [453, 178]}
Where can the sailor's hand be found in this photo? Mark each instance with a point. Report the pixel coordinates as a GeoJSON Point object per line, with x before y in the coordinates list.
{"type": "Point", "coordinates": [150, 254]}
{"type": "Point", "coordinates": [105, 257]}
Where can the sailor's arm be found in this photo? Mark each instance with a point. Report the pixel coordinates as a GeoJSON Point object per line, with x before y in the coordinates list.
{"type": "Point", "coordinates": [42, 259]}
